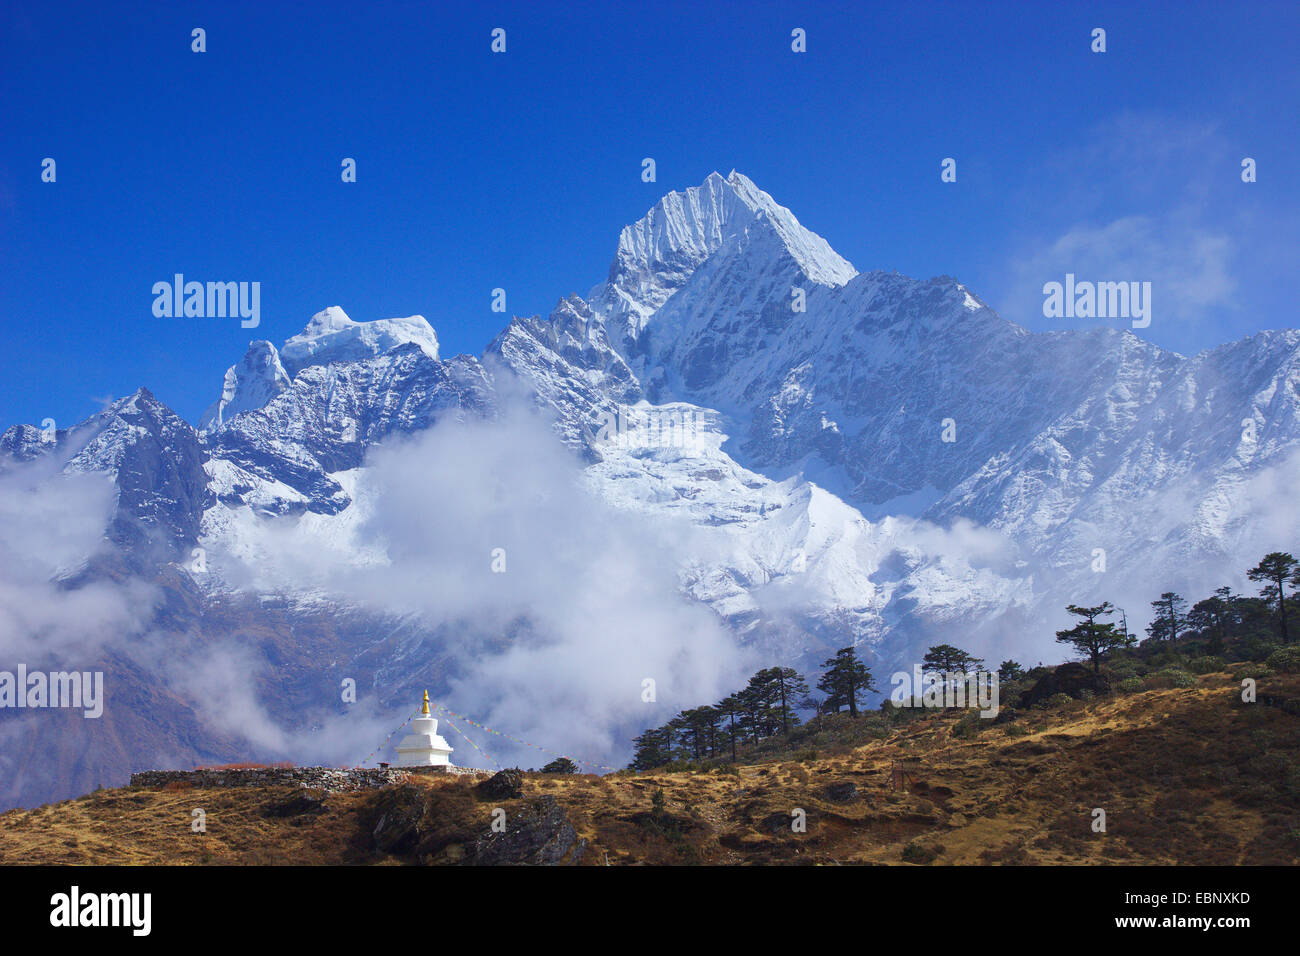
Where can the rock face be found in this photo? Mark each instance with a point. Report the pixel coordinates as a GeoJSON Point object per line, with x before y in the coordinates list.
{"type": "Point", "coordinates": [503, 785]}
{"type": "Point", "coordinates": [399, 815]}
{"type": "Point", "coordinates": [1070, 679]}
{"type": "Point", "coordinates": [281, 458]}
{"type": "Point", "coordinates": [540, 835]}
{"type": "Point", "coordinates": [154, 458]}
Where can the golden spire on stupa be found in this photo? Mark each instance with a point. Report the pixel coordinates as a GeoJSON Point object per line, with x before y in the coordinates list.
{"type": "Point", "coordinates": [424, 711]}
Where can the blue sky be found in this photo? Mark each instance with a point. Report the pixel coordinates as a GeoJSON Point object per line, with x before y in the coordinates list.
{"type": "Point", "coordinates": [478, 170]}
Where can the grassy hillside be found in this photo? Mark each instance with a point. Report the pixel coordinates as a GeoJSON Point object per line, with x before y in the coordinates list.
{"type": "Point", "coordinates": [1185, 774]}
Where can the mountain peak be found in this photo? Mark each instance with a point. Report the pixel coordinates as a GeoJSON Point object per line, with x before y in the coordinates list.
{"type": "Point", "coordinates": [658, 253]}
{"type": "Point", "coordinates": [332, 336]}
{"type": "Point", "coordinates": [250, 384]}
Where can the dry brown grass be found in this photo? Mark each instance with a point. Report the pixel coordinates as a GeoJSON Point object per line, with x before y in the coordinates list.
{"type": "Point", "coordinates": [1185, 776]}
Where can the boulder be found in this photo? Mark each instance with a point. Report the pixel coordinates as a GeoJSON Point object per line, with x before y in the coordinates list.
{"type": "Point", "coordinates": [300, 804]}
{"type": "Point", "coordinates": [396, 819]}
{"type": "Point", "coordinates": [1072, 679]}
{"type": "Point", "coordinates": [503, 785]}
{"type": "Point", "coordinates": [539, 835]}
{"type": "Point", "coordinates": [842, 792]}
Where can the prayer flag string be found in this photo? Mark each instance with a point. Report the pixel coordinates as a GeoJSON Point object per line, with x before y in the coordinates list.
{"type": "Point", "coordinates": [522, 743]}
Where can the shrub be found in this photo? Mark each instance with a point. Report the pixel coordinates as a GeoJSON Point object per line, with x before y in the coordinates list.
{"type": "Point", "coordinates": [1016, 730]}
{"type": "Point", "coordinates": [1171, 677]}
{"type": "Point", "coordinates": [966, 727]}
{"type": "Point", "coordinates": [921, 855]}
{"type": "Point", "coordinates": [1130, 685]}
{"type": "Point", "coordinates": [1057, 701]}
{"type": "Point", "coordinates": [1257, 649]}
{"type": "Point", "coordinates": [1177, 677]}
{"type": "Point", "coordinates": [1207, 665]}
{"type": "Point", "coordinates": [1256, 671]}
{"type": "Point", "coordinates": [1121, 670]}
{"type": "Point", "coordinates": [1165, 658]}
{"type": "Point", "coordinates": [1285, 660]}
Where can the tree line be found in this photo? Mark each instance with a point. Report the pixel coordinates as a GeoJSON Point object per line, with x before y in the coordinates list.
{"type": "Point", "coordinates": [1221, 618]}
{"type": "Point", "coordinates": [769, 704]}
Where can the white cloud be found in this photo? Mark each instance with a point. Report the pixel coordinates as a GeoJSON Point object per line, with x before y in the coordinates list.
{"type": "Point", "coordinates": [555, 648]}
{"type": "Point", "coordinates": [51, 525]}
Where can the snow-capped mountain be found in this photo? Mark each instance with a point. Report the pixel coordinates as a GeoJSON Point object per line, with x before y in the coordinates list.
{"type": "Point", "coordinates": [842, 456]}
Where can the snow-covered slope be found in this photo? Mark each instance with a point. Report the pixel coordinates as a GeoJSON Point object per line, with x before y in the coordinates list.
{"type": "Point", "coordinates": [833, 456]}
{"type": "Point", "coordinates": [657, 255]}
{"type": "Point", "coordinates": [331, 336]}
{"type": "Point", "coordinates": [250, 384]}
{"type": "Point", "coordinates": [895, 408]}
{"type": "Point", "coordinates": [890, 406]}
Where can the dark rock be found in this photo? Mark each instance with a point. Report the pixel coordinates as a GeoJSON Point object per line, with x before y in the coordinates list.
{"type": "Point", "coordinates": [307, 802]}
{"type": "Point", "coordinates": [1072, 679]}
{"type": "Point", "coordinates": [503, 785]}
{"type": "Point", "coordinates": [842, 792]}
{"type": "Point", "coordinates": [778, 824]}
{"type": "Point", "coordinates": [539, 835]}
{"type": "Point", "coordinates": [396, 816]}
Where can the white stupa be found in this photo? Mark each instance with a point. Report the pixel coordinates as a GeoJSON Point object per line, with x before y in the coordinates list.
{"type": "Point", "coordinates": [422, 747]}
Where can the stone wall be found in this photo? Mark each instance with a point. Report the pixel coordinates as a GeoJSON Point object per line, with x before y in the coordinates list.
{"type": "Point", "coordinates": [313, 778]}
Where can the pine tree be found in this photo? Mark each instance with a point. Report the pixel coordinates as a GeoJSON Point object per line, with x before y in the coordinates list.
{"type": "Point", "coordinates": [1210, 617]}
{"type": "Point", "coordinates": [846, 677]}
{"type": "Point", "coordinates": [1091, 638]}
{"type": "Point", "coordinates": [1277, 569]}
{"type": "Point", "coordinates": [944, 659]}
{"type": "Point", "coordinates": [1010, 670]}
{"type": "Point", "coordinates": [753, 710]}
{"type": "Point", "coordinates": [651, 749]}
{"type": "Point", "coordinates": [698, 727]}
{"type": "Point", "coordinates": [761, 695]}
{"type": "Point", "coordinates": [1170, 617]}
{"type": "Point", "coordinates": [949, 663]}
{"type": "Point", "coordinates": [730, 709]}
{"type": "Point", "coordinates": [791, 687]}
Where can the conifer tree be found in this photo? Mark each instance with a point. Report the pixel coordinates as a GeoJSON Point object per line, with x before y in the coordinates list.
{"type": "Point", "coordinates": [650, 749]}
{"type": "Point", "coordinates": [1092, 638]}
{"type": "Point", "coordinates": [1210, 617]}
{"type": "Point", "coordinates": [1277, 570]}
{"type": "Point", "coordinates": [730, 709]}
{"type": "Point", "coordinates": [791, 687]}
{"type": "Point", "coordinates": [846, 677]}
{"type": "Point", "coordinates": [945, 659]}
{"type": "Point", "coordinates": [1010, 670]}
{"type": "Point", "coordinates": [1170, 617]}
